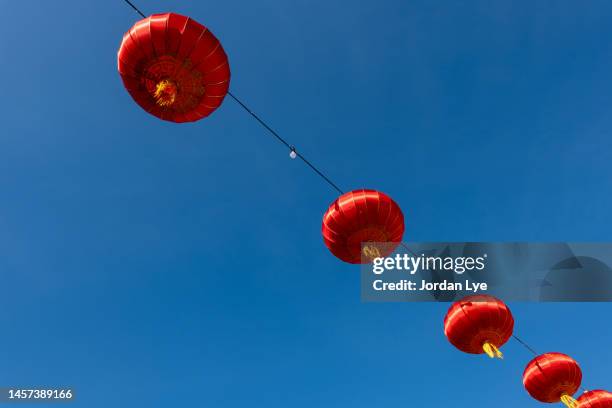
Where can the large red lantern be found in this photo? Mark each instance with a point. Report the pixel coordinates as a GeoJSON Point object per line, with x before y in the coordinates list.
{"type": "Point", "coordinates": [174, 67]}
{"type": "Point", "coordinates": [553, 377]}
{"type": "Point", "coordinates": [595, 399]}
{"type": "Point", "coordinates": [479, 324]}
{"type": "Point", "coordinates": [362, 216]}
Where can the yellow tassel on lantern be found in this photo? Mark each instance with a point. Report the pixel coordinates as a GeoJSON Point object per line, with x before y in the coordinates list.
{"type": "Point", "coordinates": [165, 93]}
{"type": "Point", "coordinates": [569, 401]}
{"type": "Point", "coordinates": [371, 252]}
{"type": "Point", "coordinates": [492, 351]}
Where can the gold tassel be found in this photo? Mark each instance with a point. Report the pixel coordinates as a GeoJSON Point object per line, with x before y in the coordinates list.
{"type": "Point", "coordinates": [165, 93]}
{"type": "Point", "coordinates": [569, 401]}
{"type": "Point", "coordinates": [371, 252]}
{"type": "Point", "coordinates": [492, 351]}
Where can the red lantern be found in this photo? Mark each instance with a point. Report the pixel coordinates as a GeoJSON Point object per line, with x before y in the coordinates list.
{"type": "Point", "coordinates": [174, 67]}
{"type": "Point", "coordinates": [362, 216]}
{"type": "Point", "coordinates": [595, 399]}
{"type": "Point", "coordinates": [479, 324]}
{"type": "Point", "coordinates": [553, 377]}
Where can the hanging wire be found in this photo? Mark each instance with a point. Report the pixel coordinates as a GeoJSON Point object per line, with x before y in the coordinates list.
{"type": "Point", "coordinates": [527, 346]}
{"type": "Point", "coordinates": [291, 148]}
{"type": "Point", "coordinates": [135, 8]}
{"type": "Point", "coordinates": [408, 249]}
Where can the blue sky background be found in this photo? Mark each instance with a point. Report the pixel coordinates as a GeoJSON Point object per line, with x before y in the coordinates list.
{"type": "Point", "coordinates": [153, 264]}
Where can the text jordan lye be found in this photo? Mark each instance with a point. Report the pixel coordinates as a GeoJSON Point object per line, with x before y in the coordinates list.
{"type": "Point", "coordinates": [407, 285]}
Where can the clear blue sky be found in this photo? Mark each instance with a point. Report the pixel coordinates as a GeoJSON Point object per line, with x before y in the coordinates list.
{"type": "Point", "coordinates": [153, 264]}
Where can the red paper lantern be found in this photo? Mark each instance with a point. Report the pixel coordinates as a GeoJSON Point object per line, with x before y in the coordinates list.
{"type": "Point", "coordinates": [479, 324]}
{"type": "Point", "coordinates": [553, 377]}
{"type": "Point", "coordinates": [174, 67]}
{"type": "Point", "coordinates": [362, 216]}
{"type": "Point", "coordinates": [595, 399]}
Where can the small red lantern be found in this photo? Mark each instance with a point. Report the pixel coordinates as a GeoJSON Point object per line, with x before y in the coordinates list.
{"type": "Point", "coordinates": [362, 216]}
{"type": "Point", "coordinates": [553, 377]}
{"type": "Point", "coordinates": [595, 399]}
{"type": "Point", "coordinates": [479, 324]}
{"type": "Point", "coordinates": [174, 67]}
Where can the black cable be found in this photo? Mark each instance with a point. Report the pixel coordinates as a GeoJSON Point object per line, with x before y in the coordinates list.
{"type": "Point", "coordinates": [135, 8]}
{"type": "Point", "coordinates": [283, 141]}
{"type": "Point", "coordinates": [257, 118]}
{"type": "Point", "coordinates": [527, 346]}
{"type": "Point", "coordinates": [408, 249]}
